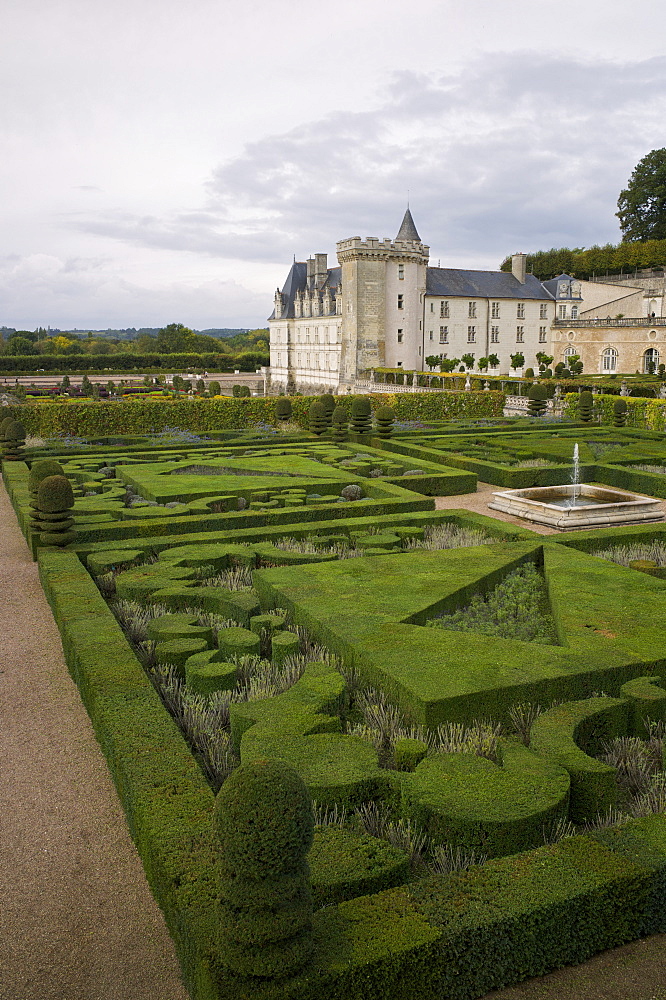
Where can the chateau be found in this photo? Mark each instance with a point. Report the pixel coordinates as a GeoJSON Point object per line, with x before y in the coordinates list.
{"type": "Point", "coordinates": [383, 306]}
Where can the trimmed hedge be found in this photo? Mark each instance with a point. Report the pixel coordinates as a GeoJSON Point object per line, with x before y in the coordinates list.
{"type": "Point", "coordinates": [89, 418]}
{"type": "Point", "coordinates": [107, 364]}
{"type": "Point", "coordinates": [564, 733]}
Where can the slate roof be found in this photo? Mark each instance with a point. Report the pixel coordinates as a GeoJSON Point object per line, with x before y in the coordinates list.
{"type": "Point", "coordinates": [297, 280]}
{"type": "Point", "coordinates": [552, 284]}
{"type": "Point", "coordinates": [454, 282]}
{"type": "Point", "coordinates": [407, 229]}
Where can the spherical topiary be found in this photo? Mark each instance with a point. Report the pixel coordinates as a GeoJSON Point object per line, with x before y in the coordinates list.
{"type": "Point", "coordinates": [384, 418]}
{"type": "Point", "coordinates": [620, 412]}
{"type": "Point", "coordinates": [360, 415]}
{"type": "Point", "coordinates": [283, 408]}
{"type": "Point", "coordinates": [52, 504]}
{"type": "Point", "coordinates": [585, 405]}
{"type": "Point", "coordinates": [352, 492]}
{"type": "Point", "coordinates": [13, 440]}
{"type": "Point", "coordinates": [263, 817]}
{"type": "Point", "coordinates": [537, 395]}
{"type": "Point", "coordinates": [40, 470]}
{"type": "Point", "coordinates": [55, 495]}
{"type": "Point", "coordinates": [340, 419]}
{"type": "Point", "coordinates": [529, 373]}
{"type": "Point", "coordinates": [317, 419]}
{"type": "Point", "coordinates": [328, 402]}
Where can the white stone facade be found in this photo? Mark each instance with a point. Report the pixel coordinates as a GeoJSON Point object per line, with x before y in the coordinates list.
{"type": "Point", "coordinates": [384, 307]}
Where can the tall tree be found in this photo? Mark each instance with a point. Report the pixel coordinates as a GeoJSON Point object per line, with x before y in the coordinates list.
{"type": "Point", "coordinates": [174, 338]}
{"type": "Point", "coordinates": [642, 204]}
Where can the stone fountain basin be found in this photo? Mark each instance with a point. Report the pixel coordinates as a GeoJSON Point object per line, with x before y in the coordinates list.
{"type": "Point", "coordinates": [598, 506]}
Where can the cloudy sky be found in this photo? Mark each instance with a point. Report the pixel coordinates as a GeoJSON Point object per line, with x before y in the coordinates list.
{"type": "Point", "coordinates": [163, 161]}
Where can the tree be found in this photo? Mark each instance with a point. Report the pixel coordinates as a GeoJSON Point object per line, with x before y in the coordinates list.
{"type": "Point", "coordinates": [448, 364]}
{"type": "Point", "coordinates": [482, 364]}
{"type": "Point", "coordinates": [468, 361]}
{"type": "Point", "coordinates": [544, 360]}
{"type": "Point", "coordinates": [20, 345]}
{"type": "Point", "coordinates": [642, 204]}
{"type": "Point", "coordinates": [433, 361]}
{"type": "Point", "coordinates": [174, 339]}
{"type": "Point", "coordinates": [517, 361]}
{"type": "Point", "coordinates": [493, 361]}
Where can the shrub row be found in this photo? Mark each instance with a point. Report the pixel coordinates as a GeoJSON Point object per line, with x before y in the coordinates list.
{"type": "Point", "coordinates": [69, 363]}
{"type": "Point", "coordinates": [89, 418]}
{"type": "Point", "coordinates": [649, 414]}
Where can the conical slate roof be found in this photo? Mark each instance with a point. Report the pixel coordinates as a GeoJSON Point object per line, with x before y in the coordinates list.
{"type": "Point", "coordinates": [407, 230]}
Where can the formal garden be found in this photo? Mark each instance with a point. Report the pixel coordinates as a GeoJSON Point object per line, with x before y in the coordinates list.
{"type": "Point", "coordinates": [365, 747]}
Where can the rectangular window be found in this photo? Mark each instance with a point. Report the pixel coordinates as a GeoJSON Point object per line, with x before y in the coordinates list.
{"type": "Point", "coordinates": [419, 352]}
{"type": "Point", "coordinates": [432, 307]}
{"type": "Point", "coordinates": [562, 311]}
{"type": "Point", "coordinates": [401, 301]}
{"type": "Point", "coordinates": [399, 365]}
{"type": "Point", "coordinates": [401, 272]}
{"type": "Point", "coordinates": [431, 334]}
{"type": "Point", "coordinates": [400, 336]}
{"type": "Point", "coordinates": [574, 312]}
{"type": "Point", "coordinates": [471, 334]}
{"type": "Point", "coordinates": [495, 310]}
{"type": "Point", "coordinates": [520, 310]}
{"type": "Point", "coordinates": [520, 332]}
{"type": "Point", "coordinates": [543, 311]}
{"type": "Point", "coordinates": [471, 310]}
{"type": "Point", "coordinates": [494, 335]}
{"type": "Point", "coordinates": [444, 310]}
{"type": "Point", "coordinates": [542, 335]}
{"type": "Point", "coordinates": [443, 334]}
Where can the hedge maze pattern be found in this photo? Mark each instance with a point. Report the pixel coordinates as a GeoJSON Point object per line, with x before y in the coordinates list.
{"type": "Point", "coordinates": [485, 808]}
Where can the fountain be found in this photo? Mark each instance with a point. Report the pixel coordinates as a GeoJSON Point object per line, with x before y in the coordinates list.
{"type": "Point", "coordinates": [577, 506]}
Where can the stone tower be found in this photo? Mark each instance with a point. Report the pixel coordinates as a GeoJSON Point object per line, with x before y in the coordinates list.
{"type": "Point", "coordinates": [383, 288]}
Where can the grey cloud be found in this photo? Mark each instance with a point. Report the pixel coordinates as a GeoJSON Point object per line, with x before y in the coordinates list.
{"type": "Point", "coordinates": [516, 151]}
{"type": "Point", "coordinates": [43, 289]}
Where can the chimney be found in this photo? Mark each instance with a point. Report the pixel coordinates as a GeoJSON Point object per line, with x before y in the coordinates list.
{"type": "Point", "coordinates": [311, 270]}
{"type": "Point", "coordinates": [519, 266]}
{"type": "Point", "coordinates": [320, 268]}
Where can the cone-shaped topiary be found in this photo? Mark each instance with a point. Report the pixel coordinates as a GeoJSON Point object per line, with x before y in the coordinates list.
{"type": "Point", "coordinates": [328, 402]}
{"type": "Point", "coordinates": [52, 511]}
{"type": "Point", "coordinates": [360, 415]}
{"type": "Point", "coordinates": [283, 408]}
{"type": "Point", "coordinates": [263, 816]}
{"type": "Point", "coordinates": [39, 470]}
{"type": "Point", "coordinates": [340, 419]}
{"type": "Point", "coordinates": [384, 418]}
{"type": "Point", "coordinates": [4, 424]}
{"type": "Point", "coordinates": [619, 412]}
{"type": "Point", "coordinates": [585, 405]}
{"type": "Point", "coordinates": [13, 440]}
{"type": "Point", "coordinates": [317, 422]}
{"type": "Point", "coordinates": [537, 395]}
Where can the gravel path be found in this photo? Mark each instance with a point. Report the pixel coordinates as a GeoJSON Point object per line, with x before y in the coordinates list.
{"type": "Point", "coordinates": [77, 920]}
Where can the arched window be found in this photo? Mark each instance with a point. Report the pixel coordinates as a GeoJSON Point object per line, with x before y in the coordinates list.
{"type": "Point", "coordinates": [568, 351]}
{"type": "Point", "coordinates": [609, 360]}
{"type": "Point", "coordinates": [650, 360]}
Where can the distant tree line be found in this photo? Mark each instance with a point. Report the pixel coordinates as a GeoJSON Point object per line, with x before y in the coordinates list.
{"type": "Point", "coordinates": [175, 338]}
{"type": "Point", "coordinates": [596, 260]}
